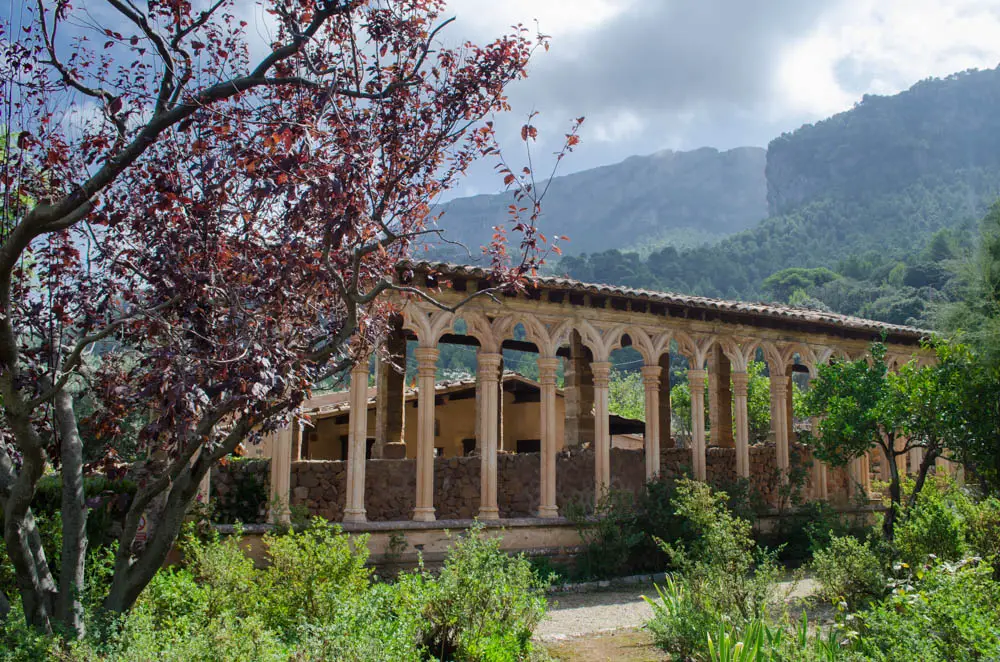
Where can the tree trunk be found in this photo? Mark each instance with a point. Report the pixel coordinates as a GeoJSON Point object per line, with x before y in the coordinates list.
{"type": "Point", "coordinates": [930, 456]}
{"type": "Point", "coordinates": [21, 537]}
{"type": "Point", "coordinates": [69, 608]}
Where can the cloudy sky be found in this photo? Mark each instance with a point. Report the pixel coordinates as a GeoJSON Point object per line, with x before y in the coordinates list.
{"type": "Point", "coordinates": [681, 74]}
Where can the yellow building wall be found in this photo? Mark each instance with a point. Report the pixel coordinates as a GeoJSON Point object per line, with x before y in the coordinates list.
{"type": "Point", "coordinates": [455, 421]}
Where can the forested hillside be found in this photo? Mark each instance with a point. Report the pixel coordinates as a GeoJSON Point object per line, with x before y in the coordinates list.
{"type": "Point", "coordinates": [863, 194]}
{"type": "Point", "coordinates": [677, 198]}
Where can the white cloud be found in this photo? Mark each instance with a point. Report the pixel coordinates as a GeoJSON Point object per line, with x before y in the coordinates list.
{"type": "Point", "coordinates": [883, 47]}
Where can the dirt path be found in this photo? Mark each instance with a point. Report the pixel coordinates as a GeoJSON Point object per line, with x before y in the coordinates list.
{"type": "Point", "coordinates": [606, 625]}
{"type": "Point", "coordinates": [575, 614]}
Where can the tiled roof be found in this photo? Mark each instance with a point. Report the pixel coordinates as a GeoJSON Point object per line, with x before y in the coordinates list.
{"type": "Point", "coordinates": [767, 310]}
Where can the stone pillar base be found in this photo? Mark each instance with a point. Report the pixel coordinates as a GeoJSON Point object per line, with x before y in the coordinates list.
{"type": "Point", "coordinates": [355, 515]}
{"type": "Point", "coordinates": [489, 514]}
{"type": "Point", "coordinates": [394, 451]}
{"type": "Point", "coordinates": [424, 515]}
{"type": "Point", "coordinates": [548, 512]}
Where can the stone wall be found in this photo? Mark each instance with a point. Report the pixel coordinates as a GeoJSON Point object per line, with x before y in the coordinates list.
{"type": "Point", "coordinates": [240, 490]}
{"type": "Point", "coordinates": [390, 485]}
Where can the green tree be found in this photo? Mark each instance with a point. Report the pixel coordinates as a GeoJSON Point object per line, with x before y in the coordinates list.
{"type": "Point", "coordinates": [758, 402]}
{"type": "Point", "coordinates": [935, 407]}
{"type": "Point", "coordinates": [782, 284]}
{"type": "Point", "coordinates": [626, 395]}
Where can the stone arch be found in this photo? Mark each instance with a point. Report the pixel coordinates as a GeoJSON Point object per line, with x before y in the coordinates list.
{"type": "Point", "coordinates": [427, 324]}
{"type": "Point", "coordinates": [478, 327]}
{"type": "Point", "coordinates": [503, 329]}
{"type": "Point", "coordinates": [694, 348]}
{"type": "Point", "coordinates": [595, 339]}
{"type": "Point", "coordinates": [639, 338]}
{"type": "Point", "coordinates": [739, 351]}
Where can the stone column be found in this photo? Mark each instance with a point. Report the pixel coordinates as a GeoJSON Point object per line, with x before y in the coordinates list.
{"type": "Point", "coordinates": [721, 398]}
{"type": "Point", "coordinates": [779, 422]}
{"type": "Point", "coordinates": [547, 490]}
{"type": "Point", "coordinates": [602, 432]}
{"type": "Point", "coordinates": [859, 473]}
{"type": "Point", "coordinates": [664, 436]}
{"type": "Point", "coordinates": [651, 382]}
{"type": "Point", "coordinates": [696, 383]}
{"type": "Point", "coordinates": [281, 477]}
{"type": "Point", "coordinates": [916, 459]}
{"type": "Point", "coordinates": [357, 443]}
{"type": "Point", "coordinates": [789, 408]}
{"type": "Point", "coordinates": [426, 369]}
{"type": "Point", "coordinates": [900, 444]}
{"type": "Point", "coordinates": [742, 432]}
{"type": "Point", "coordinates": [579, 394]}
{"type": "Point", "coordinates": [820, 489]}
{"type": "Point", "coordinates": [486, 436]}
{"type": "Point", "coordinates": [389, 396]}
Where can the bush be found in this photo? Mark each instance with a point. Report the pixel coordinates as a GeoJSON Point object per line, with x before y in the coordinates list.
{"type": "Point", "coordinates": [983, 531]}
{"type": "Point", "coordinates": [950, 613]}
{"type": "Point", "coordinates": [722, 576]}
{"type": "Point", "coordinates": [935, 525]}
{"type": "Point", "coordinates": [483, 606]}
{"type": "Point", "coordinates": [309, 572]}
{"type": "Point", "coordinates": [620, 539]}
{"type": "Point", "coordinates": [379, 624]}
{"type": "Point", "coordinates": [850, 571]}
{"type": "Point", "coordinates": [679, 621]}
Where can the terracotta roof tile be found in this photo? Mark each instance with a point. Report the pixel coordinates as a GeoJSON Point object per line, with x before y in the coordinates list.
{"type": "Point", "coordinates": [769, 310]}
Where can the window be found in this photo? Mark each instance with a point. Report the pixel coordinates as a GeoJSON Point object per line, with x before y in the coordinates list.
{"type": "Point", "coordinates": [529, 445]}
{"type": "Point", "coordinates": [468, 447]}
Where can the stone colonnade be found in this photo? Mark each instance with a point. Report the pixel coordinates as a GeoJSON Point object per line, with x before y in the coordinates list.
{"type": "Point", "coordinates": [584, 336]}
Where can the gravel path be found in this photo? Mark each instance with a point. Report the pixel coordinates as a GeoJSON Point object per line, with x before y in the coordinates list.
{"type": "Point", "coordinates": [576, 614]}
{"type": "Point", "coordinates": [579, 614]}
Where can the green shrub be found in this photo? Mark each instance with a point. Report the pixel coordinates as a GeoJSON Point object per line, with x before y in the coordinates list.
{"type": "Point", "coordinates": [679, 621]}
{"type": "Point", "coordinates": [722, 575]}
{"type": "Point", "coordinates": [951, 612]}
{"type": "Point", "coordinates": [935, 525]}
{"type": "Point", "coordinates": [483, 606]}
{"type": "Point", "coordinates": [379, 624]}
{"type": "Point", "coordinates": [983, 531]}
{"type": "Point", "coordinates": [850, 571]}
{"type": "Point", "coordinates": [609, 536]}
{"type": "Point", "coordinates": [309, 572]}
{"type": "Point", "coordinates": [731, 572]}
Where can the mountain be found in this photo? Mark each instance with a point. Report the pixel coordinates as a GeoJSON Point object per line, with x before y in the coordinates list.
{"type": "Point", "coordinates": [675, 198]}
{"type": "Point", "coordinates": [864, 193]}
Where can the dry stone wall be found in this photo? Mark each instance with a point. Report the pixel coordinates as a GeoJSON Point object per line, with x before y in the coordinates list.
{"type": "Point", "coordinates": [390, 485]}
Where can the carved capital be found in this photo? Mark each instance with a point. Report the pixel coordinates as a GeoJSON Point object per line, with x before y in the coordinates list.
{"type": "Point", "coordinates": [740, 380]}
{"type": "Point", "coordinates": [488, 366]}
{"type": "Point", "coordinates": [696, 380]}
{"type": "Point", "coordinates": [602, 373]}
{"type": "Point", "coordinates": [547, 371]}
{"type": "Point", "coordinates": [651, 376]}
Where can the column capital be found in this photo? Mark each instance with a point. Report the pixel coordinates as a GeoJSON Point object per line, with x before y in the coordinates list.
{"type": "Point", "coordinates": [427, 354]}
{"type": "Point", "coordinates": [651, 375]}
{"type": "Point", "coordinates": [360, 366]}
{"type": "Point", "coordinates": [696, 378]}
{"type": "Point", "coordinates": [488, 359]}
{"type": "Point", "coordinates": [602, 372]}
{"type": "Point", "coordinates": [548, 363]}
{"type": "Point", "coordinates": [488, 366]}
{"type": "Point", "coordinates": [740, 380]}
{"type": "Point", "coordinates": [779, 384]}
